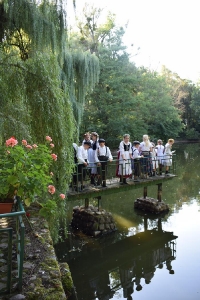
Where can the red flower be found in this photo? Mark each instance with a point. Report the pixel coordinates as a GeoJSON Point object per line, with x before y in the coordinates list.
{"type": "Point", "coordinates": [24, 142]}
{"type": "Point", "coordinates": [48, 138]}
{"type": "Point", "coordinates": [51, 189]}
{"type": "Point", "coordinates": [11, 142]}
{"type": "Point", "coordinates": [54, 156]}
{"type": "Point", "coordinates": [62, 196]}
{"type": "Point", "coordinates": [29, 146]}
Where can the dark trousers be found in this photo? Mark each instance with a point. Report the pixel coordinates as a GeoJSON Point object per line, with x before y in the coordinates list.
{"type": "Point", "coordinates": [102, 171]}
{"type": "Point", "coordinates": [137, 167]}
{"type": "Point", "coordinates": [79, 175]}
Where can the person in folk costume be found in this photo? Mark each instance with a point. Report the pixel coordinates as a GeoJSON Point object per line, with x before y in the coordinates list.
{"type": "Point", "coordinates": [136, 160]}
{"type": "Point", "coordinates": [83, 162]}
{"type": "Point", "coordinates": [160, 150]}
{"type": "Point", "coordinates": [167, 157]}
{"type": "Point", "coordinates": [94, 145]}
{"type": "Point", "coordinates": [154, 160]}
{"type": "Point", "coordinates": [146, 150]}
{"type": "Point", "coordinates": [102, 156]}
{"type": "Point", "coordinates": [87, 137]}
{"type": "Point", "coordinates": [124, 169]}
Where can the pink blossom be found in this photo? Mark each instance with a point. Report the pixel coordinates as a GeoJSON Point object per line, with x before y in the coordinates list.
{"type": "Point", "coordinates": [62, 196]}
{"type": "Point", "coordinates": [48, 138]}
{"type": "Point", "coordinates": [54, 156]}
{"type": "Point", "coordinates": [11, 142]}
{"type": "Point", "coordinates": [51, 189]}
{"type": "Point", "coordinates": [29, 146]}
{"type": "Point", "coordinates": [51, 173]}
{"type": "Point", "coordinates": [35, 146]}
{"type": "Point", "coordinates": [51, 145]}
{"type": "Point", "coordinates": [24, 142]}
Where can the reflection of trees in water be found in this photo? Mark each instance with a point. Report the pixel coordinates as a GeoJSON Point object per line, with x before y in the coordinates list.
{"type": "Point", "coordinates": [185, 188]}
{"type": "Point", "coordinates": [132, 276]}
{"type": "Point", "coordinates": [124, 267]}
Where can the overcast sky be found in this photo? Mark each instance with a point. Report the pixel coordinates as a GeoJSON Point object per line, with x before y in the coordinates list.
{"type": "Point", "coordinates": [167, 32]}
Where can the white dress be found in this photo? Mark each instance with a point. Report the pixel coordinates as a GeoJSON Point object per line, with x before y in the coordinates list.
{"type": "Point", "coordinates": [93, 165]}
{"type": "Point", "coordinates": [160, 150]}
{"type": "Point", "coordinates": [125, 165]}
{"type": "Point", "coordinates": [167, 157]}
{"type": "Point", "coordinates": [154, 158]}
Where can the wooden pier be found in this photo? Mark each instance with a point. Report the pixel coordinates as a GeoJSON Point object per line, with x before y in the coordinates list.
{"type": "Point", "coordinates": [113, 186]}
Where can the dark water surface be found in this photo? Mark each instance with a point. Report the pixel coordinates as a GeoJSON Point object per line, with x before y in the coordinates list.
{"type": "Point", "coordinates": [147, 258]}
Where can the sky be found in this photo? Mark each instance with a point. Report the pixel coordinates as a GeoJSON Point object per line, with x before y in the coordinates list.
{"type": "Point", "coordinates": [166, 31]}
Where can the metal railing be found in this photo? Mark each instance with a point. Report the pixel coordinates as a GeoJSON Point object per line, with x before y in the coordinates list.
{"type": "Point", "coordinates": [107, 171]}
{"type": "Point", "coordinates": [16, 244]}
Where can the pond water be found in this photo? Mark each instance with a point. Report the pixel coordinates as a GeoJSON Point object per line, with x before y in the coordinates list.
{"type": "Point", "coordinates": [147, 258]}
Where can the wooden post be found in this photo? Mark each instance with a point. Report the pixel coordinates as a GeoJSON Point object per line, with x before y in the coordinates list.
{"type": "Point", "coordinates": [159, 192]}
{"type": "Point", "coordinates": [145, 223]}
{"type": "Point", "coordinates": [145, 192]}
{"type": "Point", "coordinates": [160, 225]}
{"type": "Point", "coordinates": [86, 202]}
{"type": "Point", "coordinates": [98, 198]}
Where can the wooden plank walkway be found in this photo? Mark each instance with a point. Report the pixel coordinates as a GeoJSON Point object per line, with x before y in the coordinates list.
{"type": "Point", "coordinates": [113, 186]}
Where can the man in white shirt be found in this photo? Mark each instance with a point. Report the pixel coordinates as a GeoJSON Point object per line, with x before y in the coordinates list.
{"type": "Point", "coordinates": [102, 156]}
{"type": "Point", "coordinates": [82, 156]}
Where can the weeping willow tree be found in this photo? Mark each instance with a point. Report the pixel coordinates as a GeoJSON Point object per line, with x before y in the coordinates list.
{"type": "Point", "coordinates": [42, 83]}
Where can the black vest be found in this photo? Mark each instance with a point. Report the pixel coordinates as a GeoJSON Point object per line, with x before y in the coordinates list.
{"type": "Point", "coordinates": [127, 147]}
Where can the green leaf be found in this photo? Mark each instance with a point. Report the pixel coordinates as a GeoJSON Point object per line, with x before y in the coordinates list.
{"type": "Point", "coordinates": [12, 179]}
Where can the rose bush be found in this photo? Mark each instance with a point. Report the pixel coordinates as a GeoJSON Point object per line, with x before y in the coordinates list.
{"type": "Point", "coordinates": [25, 171]}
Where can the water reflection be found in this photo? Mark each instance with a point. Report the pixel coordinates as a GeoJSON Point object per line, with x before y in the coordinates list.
{"type": "Point", "coordinates": [99, 272]}
{"type": "Point", "coordinates": [141, 254]}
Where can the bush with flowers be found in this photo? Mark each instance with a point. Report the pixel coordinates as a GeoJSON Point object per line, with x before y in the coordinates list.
{"type": "Point", "coordinates": [25, 171]}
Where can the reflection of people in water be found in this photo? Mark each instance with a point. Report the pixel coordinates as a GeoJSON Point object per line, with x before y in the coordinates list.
{"type": "Point", "coordinates": [149, 266]}
{"type": "Point", "coordinates": [138, 273]}
{"type": "Point", "coordinates": [169, 266]}
{"type": "Point", "coordinates": [126, 276]}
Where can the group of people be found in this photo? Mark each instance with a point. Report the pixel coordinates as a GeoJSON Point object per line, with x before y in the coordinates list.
{"type": "Point", "coordinates": [137, 159]}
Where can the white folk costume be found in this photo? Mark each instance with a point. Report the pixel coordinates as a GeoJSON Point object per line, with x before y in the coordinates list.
{"type": "Point", "coordinates": [102, 155]}
{"type": "Point", "coordinates": [102, 152]}
{"type": "Point", "coordinates": [154, 158]}
{"type": "Point", "coordinates": [136, 164]}
{"type": "Point", "coordinates": [94, 146]}
{"type": "Point", "coordinates": [160, 151]}
{"type": "Point", "coordinates": [82, 155]}
{"type": "Point", "coordinates": [167, 157]}
{"type": "Point", "coordinates": [124, 168]}
{"type": "Point", "coordinates": [146, 161]}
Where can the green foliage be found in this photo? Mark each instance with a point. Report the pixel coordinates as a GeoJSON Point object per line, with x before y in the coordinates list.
{"type": "Point", "coordinates": [126, 99]}
{"type": "Point", "coordinates": [43, 82]}
{"type": "Point", "coordinates": [25, 171]}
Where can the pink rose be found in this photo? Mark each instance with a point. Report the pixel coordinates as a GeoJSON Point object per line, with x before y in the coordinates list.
{"type": "Point", "coordinates": [48, 138]}
{"type": "Point", "coordinates": [62, 196]}
{"type": "Point", "coordinates": [29, 146]}
{"type": "Point", "coordinates": [35, 146]}
{"type": "Point", "coordinates": [24, 142]}
{"type": "Point", "coordinates": [11, 142]}
{"type": "Point", "coordinates": [51, 189]}
{"type": "Point", "coordinates": [54, 156]}
{"type": "Point", "coordinates": [51, 145]}
{"type": "Point", "coordinates": [51, 174]}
